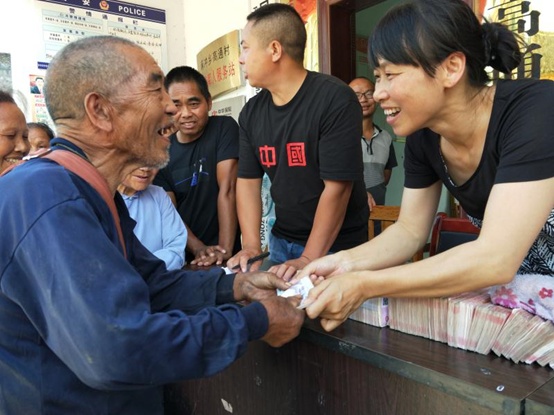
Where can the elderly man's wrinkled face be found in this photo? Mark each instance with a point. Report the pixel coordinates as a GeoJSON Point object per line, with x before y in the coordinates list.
{"type": "Point", "coordinates": [145, 113]}
{"type": "Point", "coordinates": [14, 144]}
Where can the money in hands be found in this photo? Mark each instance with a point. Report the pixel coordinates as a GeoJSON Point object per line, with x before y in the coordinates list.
{"type": "Point", "coordinates": [302, 288]}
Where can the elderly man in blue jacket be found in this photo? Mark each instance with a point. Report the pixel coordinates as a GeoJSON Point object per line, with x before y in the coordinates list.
{"type": "Point", "coordinates": [92, 322]}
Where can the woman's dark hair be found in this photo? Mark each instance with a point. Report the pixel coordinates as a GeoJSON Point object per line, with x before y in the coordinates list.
{"type": "Point", "coordinates": [187, 74]}
{"type": "Point", "coordinates": [425, 32]}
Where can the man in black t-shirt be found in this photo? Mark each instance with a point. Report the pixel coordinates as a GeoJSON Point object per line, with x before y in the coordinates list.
{"type": "Point", "coordinates": [303, 130]}
{"type": "Point", "coordinates": [202, 171]}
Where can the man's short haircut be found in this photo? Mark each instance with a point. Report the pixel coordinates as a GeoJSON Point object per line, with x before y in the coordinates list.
{"type": "Point", "coordinates": [187, 74]}
{"type": "Point", "coordinates": [6, 98]}
{"type": "Point", "coordinates": [92, 64]}
{"type": "Point", "coordinates": [280, 22]}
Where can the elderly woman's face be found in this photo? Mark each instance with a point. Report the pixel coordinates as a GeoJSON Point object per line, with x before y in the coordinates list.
{"type": "Point", "coordinates": [138, 180]}
{"type": "Point", "coordinates": [38, 139]}
{"type": "Point", "coordinates": [14, 144]}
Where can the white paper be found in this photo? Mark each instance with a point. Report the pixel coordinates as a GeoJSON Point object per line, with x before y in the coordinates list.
{"type": "Point", "coordinates": [302, 288]}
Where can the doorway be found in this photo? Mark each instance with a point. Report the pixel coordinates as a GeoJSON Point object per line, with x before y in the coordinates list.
{"type": "Point", "coordinates": [337, 35]}
{"type": "Point", "coordinates": [337, 32]}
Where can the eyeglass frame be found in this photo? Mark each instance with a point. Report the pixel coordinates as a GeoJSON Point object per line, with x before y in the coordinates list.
{"type": "Point", "coordinates": [359, 95]}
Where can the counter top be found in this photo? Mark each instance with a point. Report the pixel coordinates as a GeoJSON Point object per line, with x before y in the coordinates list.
{"type": "Point", "coordinates": [361, 369]}
{"type": "Point", "coordinates": [541, 402]}
{"type": "Point", "coordinates": [491, 381]}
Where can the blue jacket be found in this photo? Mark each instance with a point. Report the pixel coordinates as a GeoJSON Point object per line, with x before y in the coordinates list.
{"type": "Point", "coordinates": [84, 330]}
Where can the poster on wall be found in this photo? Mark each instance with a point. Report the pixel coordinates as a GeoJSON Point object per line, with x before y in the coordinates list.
{"type": "Point", "coordinates": [38, 105]}
{"type": "Point", "coordinates": [64, 21]}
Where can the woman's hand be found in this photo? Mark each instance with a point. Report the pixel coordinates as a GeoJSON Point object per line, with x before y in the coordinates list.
{"type": "Point", "coordinates": [327, 266]}
{"type": "Point", "coordinates": [334, 299]}
{"type": "Point", "coordinates": [288, 269]}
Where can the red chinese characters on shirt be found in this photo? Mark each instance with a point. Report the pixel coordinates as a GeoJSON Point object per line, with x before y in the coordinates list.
{"type": "Point", "coordinates": [296, 155]}
{"type": "Point", "coordinates": [267, 156]}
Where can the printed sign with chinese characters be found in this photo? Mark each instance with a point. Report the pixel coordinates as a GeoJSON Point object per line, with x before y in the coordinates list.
{"type": "Point", "coordinates": [64, 21]}
{"type": "Point", "coordinates": [219, 63]}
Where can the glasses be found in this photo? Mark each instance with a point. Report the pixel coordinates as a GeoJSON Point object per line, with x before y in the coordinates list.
{"type": "Point", "coordinates": [367, 94]}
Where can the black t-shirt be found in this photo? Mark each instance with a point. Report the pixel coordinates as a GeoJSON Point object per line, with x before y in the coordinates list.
{"type": "Point", "coordinates": [312, 138]}
{"type": "Point", "coordinates": [192, 175]}
{"type": "Point", "coordinates": [519, 146]}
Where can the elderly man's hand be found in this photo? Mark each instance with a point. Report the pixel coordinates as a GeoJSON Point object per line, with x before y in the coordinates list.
{"type": "Point", "coordinates": [285, 319]}
{"type": "Point", "coordinates": [257, 286]}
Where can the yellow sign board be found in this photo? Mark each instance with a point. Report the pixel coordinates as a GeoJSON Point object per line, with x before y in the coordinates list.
{"type": "Point", "coordinates": [219, 63]}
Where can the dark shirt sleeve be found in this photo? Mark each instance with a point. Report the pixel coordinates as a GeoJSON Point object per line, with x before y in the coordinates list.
{"type": "Point", "coordinates": [391, 162]}
{"type": "Point", "coordinates": [249, 166]}
{"type": "Point", "coordinates": [164, 180]}
{"type": "Point", "coordinates": [340, 155]}
{"type": "Point", "coordinates": [417, 165]}
{"type": "Point", "coordinates": [228, 140]}
{"type": "Point", "coordinates": [524, 131]}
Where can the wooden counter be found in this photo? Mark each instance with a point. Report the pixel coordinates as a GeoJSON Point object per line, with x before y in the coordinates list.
{"type": "Point", "coordinates": [541, 402]}
{"type": "Point", "coordinates": [359, 369]}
